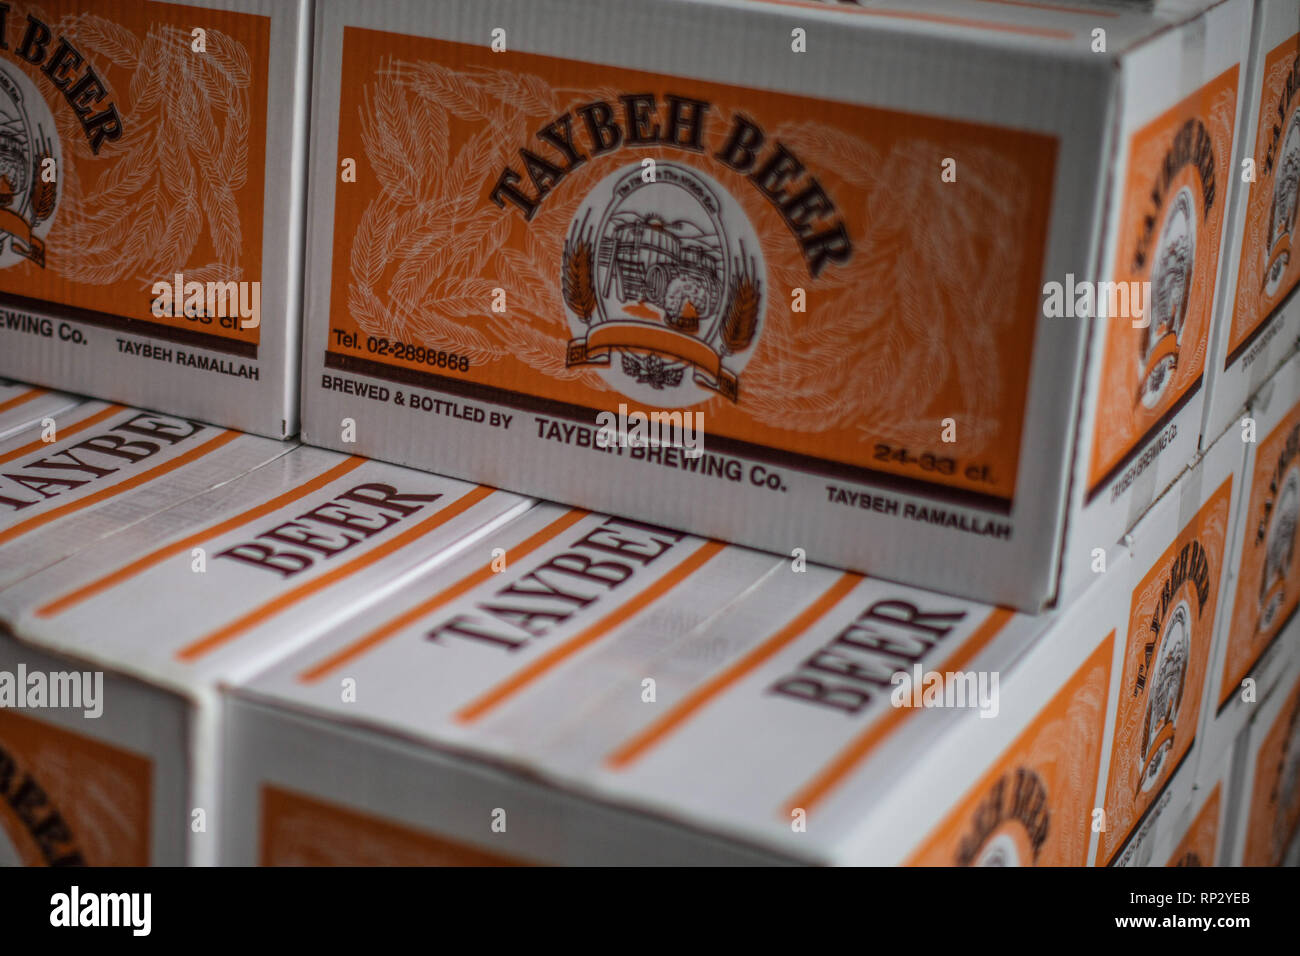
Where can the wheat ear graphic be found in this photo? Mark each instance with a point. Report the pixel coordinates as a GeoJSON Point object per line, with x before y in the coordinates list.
{"type": "Point", "coordinates": [579, 267]}
{"type": "Point", "coordinates": [172, 178]}
{"type": "Point", "coordinates": [741, 320]}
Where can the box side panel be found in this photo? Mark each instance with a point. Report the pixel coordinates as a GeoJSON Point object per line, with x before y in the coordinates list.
{"type": "Point", "coordinates": [305, 791]}
{"type": "Point", "coordinates": [812, 433]}
{"type": "Point", "coordinates": [1258, 316]}
{"type": "Point", "coordinates": [1160, 262]}
{"type": "Point", "coordinates": [104, 790]}
{"type": "Point", "coordinates": [153, 249]}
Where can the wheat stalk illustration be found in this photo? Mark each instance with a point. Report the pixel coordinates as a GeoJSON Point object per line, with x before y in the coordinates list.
{"type": "Point", "coordinates": [167, 188]}
{"type": "Point", "coordinates": [877, 341]}
{"type": "Point", "coordinates": [579, 271]}
{"type": "Point", "coordinates": [424, 225]}
{"type": "Point", "coordinates": [741, 319]}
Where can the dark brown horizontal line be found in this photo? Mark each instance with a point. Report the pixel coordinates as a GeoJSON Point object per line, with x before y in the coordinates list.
{"type": "Point", "coordinates": [153, 330]}
{"type": "Point", "coordinates": [475, 391]}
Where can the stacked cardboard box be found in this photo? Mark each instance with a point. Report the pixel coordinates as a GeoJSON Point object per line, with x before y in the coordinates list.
{"type": "Point", "coordinates": [172, 604]}
{"type": "Point", "coordinates": [151, 236]}
{"type": "Point", "coordinates": [894, 255]}
{"type": "Point", "coordinates": [861, 248]}
{"type": "Point", "coordinates": [1258, 318]}
{"type": "Point", "coordinates": [544, 714]}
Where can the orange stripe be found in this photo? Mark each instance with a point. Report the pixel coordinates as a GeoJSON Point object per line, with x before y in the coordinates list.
{"type": "Point", "coordinates": [26, 396]}
{"type": "Point", "coordinates": [135, 481]}
{"type": "Point", "coordinates": [652, 735]}
{"type": "Point", "coordinates": [850, 756]}
{"type": "Point", "coordinates": [60, 605]}
{"type": "Point", "coordinates": [61, 433]}
{"type": "Point", "coordinates": [245, 622]}
{"type": "Point", "coordinates": [593, 633]}
{"type": "Point", "coordinates": [445, 596]}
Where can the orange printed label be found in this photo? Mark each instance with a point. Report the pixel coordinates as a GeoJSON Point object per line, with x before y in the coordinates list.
{"type": "Point", "coordinates": [1201, 841]}
{"type": "Point", "coordinates": [1170, 230]}
{"type": "Point", "coordinates": [1033, 807]}
{"type": "Point", "coordinates": [68, 800]}
{"type": "Point", "coordinates": [1171, 625]}
{"type": "Point", "coordinates": [127, 159]}
{"type": "Point", "coordinates": [567, 238]}
{"type": "Point", "coordinates": [1268, 268]}
{"type": "Point", "coordinates": [1271, 828]}
{"type": "Point", "coordinates": [1268, 585]}
{"type": "Point", "coordinates": [300, 831]}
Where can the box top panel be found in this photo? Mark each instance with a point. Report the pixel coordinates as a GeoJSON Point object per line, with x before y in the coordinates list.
{"type": "Point", "coordinates": [606, 644]}
{"type": "Point", "coordinates": [726, 691]}
{"type": "Point", "coordinates": [98, 468]}
{"type": "Point", "coordinates": [22, 406]}
{"type": "Point", "coordinates": [222, 582]}
{"type": "Point", "coordinates": [1061, 27]}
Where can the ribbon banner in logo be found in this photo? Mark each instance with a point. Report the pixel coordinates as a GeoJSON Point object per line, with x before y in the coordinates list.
{"type": "Point", "coordinates": [626, 335]}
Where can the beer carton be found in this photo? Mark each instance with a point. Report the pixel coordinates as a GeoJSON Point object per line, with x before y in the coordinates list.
{"type": "Point", "coordinates": [1258, 318]}
{"type": "Point", "coordinates": [24, 405]}
{"type": "Point", "coordinates": [1270, 811]}
{"type": "Point", "coordinates": [1172, 600]}
{"type": "Point", "coordinates": [753, 679]}
{"type": "Point", "coordinates": [1084, 740]}
{"type": "Point", "coordinates": [152, 181]}
{"type": "Point", "coordinates": [1265, 592]}
{"type": "Point", "coordinates": [578, 606]}
{"type": "Point", "coordinates": [816, 716]}
{"type": "Point", "coordinates": [162, 612]}
{"type": "Point", "coordinates": [97, 469]}
{"type": "Point", "coordinates": [797, 276]}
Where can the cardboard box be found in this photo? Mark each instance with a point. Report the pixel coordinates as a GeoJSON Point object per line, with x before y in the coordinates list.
{"type": "Point", "coordinates": [210, 590]}
{"type": "Point", "coordinates": [431, 773]}
{"type": "Point", "coordinates": [751, 725]}
{"type": "Point", "coordinates": [1258, 319]}
{"type": "Point", "coordinates": [151, 236]}
{"type": "Point", "coordinates": [1150, 622]}
{"type": "Point", "coordinates": [104, 468]}
{"type": "Point", "coordinates": [1265, 590]}
{"type": "Point", "coordinates": [24, 405]}
{"type": "Point", "coordinates": [863, 266]}
{"type": "Point", "coordinates": [1270, 812]}
{"type": "Point", "coordinates": [743, 752]}
{"type": "Point", "coordinates": [1171, 619]}
{"type": "Point", "coordinates": [570, 586]}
